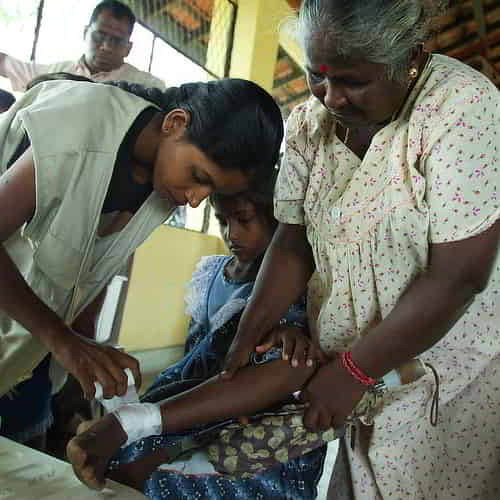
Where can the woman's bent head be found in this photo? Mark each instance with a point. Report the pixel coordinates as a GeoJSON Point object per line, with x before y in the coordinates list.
{"type": "Point", "coordinates": [362, 56]}
{"type": "Point", "coordinates": [220, 136]}
{"type": "Point", "coordinates": [385, 32]}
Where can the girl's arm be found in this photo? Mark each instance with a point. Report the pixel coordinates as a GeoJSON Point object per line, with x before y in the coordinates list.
{"type": "Point", "coordinates": [283, 276]}
{"type": "Point", "coordinates": [87, 361]}
{"type": "Point", "coordinates": [250, 390]}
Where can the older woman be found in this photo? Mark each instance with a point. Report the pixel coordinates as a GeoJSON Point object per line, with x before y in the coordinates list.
{"type": "Point", "coordinates": [390, 190]}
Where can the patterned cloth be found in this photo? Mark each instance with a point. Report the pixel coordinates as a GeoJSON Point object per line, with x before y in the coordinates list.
{"type": "Point", "coordinates": [431, 176]}
{"type": "Point", "coordinates": [274, 437]}
{"type": "Point", "coordinates": [206, 347]}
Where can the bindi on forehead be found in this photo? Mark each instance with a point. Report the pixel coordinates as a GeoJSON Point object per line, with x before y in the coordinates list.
{"type": "Point", "coordinates": [323, 68]}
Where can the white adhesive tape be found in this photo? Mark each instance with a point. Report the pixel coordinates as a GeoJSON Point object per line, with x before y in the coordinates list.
{"type": "Point", "coordinates": [115, 402]}
{"type": "Point", "coordinates": [139, 420]}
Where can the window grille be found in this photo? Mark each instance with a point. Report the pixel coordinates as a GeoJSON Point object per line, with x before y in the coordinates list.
{"type": "Point", "coordinates": [202, 30]}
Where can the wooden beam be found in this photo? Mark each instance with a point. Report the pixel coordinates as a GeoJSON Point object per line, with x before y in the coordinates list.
{"type": "Point", "coordinates": [478, 8]}
{"type": "Point", "coordinates": [476, 47]}
{"type": "Point", "coordinates": [482, 31]}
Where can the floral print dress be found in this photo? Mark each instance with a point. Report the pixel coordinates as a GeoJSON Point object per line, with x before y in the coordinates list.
{"type": "Point", "coordinates": [430, 176]}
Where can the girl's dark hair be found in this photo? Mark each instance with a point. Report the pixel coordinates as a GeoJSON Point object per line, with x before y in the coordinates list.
{"type": "Point", "coordinates": [234, 122]}
{"type": "Point", "coordinates": [260, 196]}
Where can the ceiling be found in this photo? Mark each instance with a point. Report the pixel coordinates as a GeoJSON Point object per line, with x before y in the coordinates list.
{"type": "Point", "coordinates": [469, 30]}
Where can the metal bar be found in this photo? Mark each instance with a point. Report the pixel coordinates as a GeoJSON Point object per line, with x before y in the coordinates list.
{"type": "Point", "coordinates": [230, 44]}
{"type": "Point", "coordinates": [37, 29]}
{"type": "Point", "coordinates": [206, 217]}
{"type": "Point", "coordinates": [151, 54]}
{"type": "Point", "coordinates": [159, 35]}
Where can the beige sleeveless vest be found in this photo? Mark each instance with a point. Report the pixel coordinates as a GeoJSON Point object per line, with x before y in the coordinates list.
{"type": "Point", "coordinates": [75, 131]}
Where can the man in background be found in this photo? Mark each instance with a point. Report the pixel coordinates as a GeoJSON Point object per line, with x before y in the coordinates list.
{"type": "Point", "coordinates": [107, 42]}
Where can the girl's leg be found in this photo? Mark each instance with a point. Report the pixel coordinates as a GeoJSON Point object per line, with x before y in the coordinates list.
{"type": "Point", "coordinates": [251, 390]}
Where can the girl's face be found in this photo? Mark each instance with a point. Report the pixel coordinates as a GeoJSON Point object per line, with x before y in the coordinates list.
{"type": "Point", "coordinates": [246, 231]}
{"type": "Point", "coordinates": [183, 173]}
{"type": "Point", "coordinates": [356, 92]}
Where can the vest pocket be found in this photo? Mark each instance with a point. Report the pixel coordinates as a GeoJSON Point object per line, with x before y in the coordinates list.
{"type": "Point", "coordinates": [58, 261]}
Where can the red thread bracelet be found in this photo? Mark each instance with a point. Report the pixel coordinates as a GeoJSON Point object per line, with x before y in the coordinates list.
{"type": "Point", "coordinates": [355, 371]}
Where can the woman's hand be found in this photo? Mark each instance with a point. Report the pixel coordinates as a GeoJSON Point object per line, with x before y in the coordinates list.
{"type": "Point", "coordinates": [332, 394]}
{"type": "Point", "coordinates": [237, 356]}
{"type": "Point", "coordinates": [296, 345]}
{"type": "Point", "coordinates": [90, 362]}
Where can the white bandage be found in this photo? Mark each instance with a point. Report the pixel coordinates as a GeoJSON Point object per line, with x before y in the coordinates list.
{"type": "Point", "coordinates": [139, 420]}
{"type": "Point", "coordinates": [115, 402]}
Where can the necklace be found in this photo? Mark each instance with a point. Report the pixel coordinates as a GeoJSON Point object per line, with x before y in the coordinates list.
{"type": "Point", "coordinates": [395, 115]}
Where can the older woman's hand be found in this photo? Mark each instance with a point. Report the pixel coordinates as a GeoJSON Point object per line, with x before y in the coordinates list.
{"type": "Point", "coordinates": [332, 394]}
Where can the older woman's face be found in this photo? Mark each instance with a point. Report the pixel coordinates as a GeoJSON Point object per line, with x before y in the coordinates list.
{"type": "Point", "coordinates": [356, 92]}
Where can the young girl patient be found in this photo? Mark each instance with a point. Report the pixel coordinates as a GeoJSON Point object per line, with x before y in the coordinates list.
{"type": "Point", "coordinates": [190, 395]}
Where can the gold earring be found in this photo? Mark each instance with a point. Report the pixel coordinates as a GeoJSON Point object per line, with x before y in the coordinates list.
{"type": "Point", "coordinates": [413, 73]}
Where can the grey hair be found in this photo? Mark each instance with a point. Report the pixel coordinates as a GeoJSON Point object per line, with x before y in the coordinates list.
{"type": "Point", "coordinates": [378, 31]}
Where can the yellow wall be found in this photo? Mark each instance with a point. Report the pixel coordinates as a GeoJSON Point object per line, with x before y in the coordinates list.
{"type": "Point", "coordinates": [255, 45]}
{"type": "Point", "coordinates": [256, 39]}
{"type": "Point", "coordinates": [153, 315]}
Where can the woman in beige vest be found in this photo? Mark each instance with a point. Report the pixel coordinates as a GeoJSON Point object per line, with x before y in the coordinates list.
{"type": "Point", "coordinates": [87, 172]}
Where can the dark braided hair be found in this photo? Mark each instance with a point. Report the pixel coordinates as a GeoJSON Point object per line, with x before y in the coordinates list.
{"type": "Point", "coordinates": [234, 122]}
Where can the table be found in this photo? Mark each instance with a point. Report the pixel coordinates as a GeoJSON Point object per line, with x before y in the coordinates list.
{"type": "Point", "coordinates": [27, 474]}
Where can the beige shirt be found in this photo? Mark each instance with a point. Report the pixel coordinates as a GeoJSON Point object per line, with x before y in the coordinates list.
{"type": "Point", "coordinates": [20, 73]}
{"type": "Point", "coordinates": [75, 131]}
{"type": "Point", "coordinates": [431, 176]}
